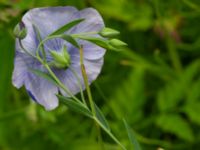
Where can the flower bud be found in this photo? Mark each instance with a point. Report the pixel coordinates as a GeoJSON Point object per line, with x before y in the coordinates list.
{"type": "Point", "coordinates": [108, 32]}
{"type": "Point", "coordinates": [20, 31]}
{"type": "Point", "coordinates": [117, 43]}
{"type": "Point", "coordinates": [61, 59]}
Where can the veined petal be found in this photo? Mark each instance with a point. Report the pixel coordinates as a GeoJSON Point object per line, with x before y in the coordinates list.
{"type": "Point", "coordinates": [42, 90]}
{"type": "Point", "coordinates": [93, 21]}
{"type": "Point", "coordinates": [47, 20]}
{"type": "Point", "coordinates": [68, 78]}
{"type": "Point", "coordinates": [21, 63]}
{"type": "Point", "coordinates": [90, 51]}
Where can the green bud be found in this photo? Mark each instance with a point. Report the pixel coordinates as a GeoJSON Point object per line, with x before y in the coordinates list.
{"type": "Point", "coordinates": [61, 59]}
{"type": "Point", "coordinates": [20, 31]}
{"type": "Point", "coordinates": [117, 43]}
{"type": "Point", "coordinates": [108, 32]}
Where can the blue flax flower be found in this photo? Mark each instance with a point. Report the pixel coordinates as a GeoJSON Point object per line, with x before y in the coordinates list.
{"type": "Point", "coordinates": [48, 20]}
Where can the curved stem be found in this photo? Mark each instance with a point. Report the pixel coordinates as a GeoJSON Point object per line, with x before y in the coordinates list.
{"type": "Point", "coordinates": [60, 83]}
{"type": "Point", "coordinates": [45, 40]}
{"type": "Point", "coordinates": [40, 39]}
{"type": "Point", "coordinates": [26, 51]}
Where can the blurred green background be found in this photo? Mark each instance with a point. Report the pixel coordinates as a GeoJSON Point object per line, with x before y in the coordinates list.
{"type": "Point", "coordinates": [154, 84]}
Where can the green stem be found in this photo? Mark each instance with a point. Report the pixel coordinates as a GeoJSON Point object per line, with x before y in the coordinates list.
{"type": "Point", "coordinates": [43, 41]}
{"type": "Point", "coordinates": [92, 103]}
{"type": "Point", "coordinates": [85, 78]}
{"type": "Point", "coordinates": [86, 33]}
{"type": "Point", "coordinates": [60, 83]}
{"type": "Point", "coordinates": [110, 134]}
{"type": "Point", "coordinates": [80, 85]}
{"type": "Point", "coordinates": [26, 51]}
{"type": "Point", "coordinates": [40, 39]}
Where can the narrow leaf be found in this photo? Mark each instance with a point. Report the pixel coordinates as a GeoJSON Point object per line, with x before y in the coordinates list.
{"type": "Point", "coordinates": [101, 118]}
{"type": "Point", "coordinates": [43, 75]}
{"type": "Point", "coordinates": [70, 39]}
{"type": "Point", "coordinates": [66, 27]}
{"type": "Point", "coordinates": [75, 106]}
{"type": "Point", "coordinates": [132, 138]}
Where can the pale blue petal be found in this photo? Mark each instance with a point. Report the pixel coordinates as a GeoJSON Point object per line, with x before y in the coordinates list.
{"type": "Point", "coordinates": [49, 19]}
{"type": "Point", "coordinates": [90, 51]}
{"type": "Point", "coordinates": [42, 90]}
{"type": "Point", "coordinates": [21, 63]}
{"type": "Point", "coordinates": [93, 21]}
{"type": "Point", "coordinates": [68, 78]}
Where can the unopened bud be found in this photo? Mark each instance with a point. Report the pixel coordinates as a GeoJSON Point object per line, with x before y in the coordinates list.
{"type": "Point", "coordinates": [20, 31]}
{"type": "Point", "coordinates": [61, 59]}
{"type": "Point", "coordinates": [117, 43]}
{"type": "Point", "coordinates": [108, 32]}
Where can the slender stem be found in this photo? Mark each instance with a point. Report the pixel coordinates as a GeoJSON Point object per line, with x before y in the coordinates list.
{"type": "Point", "coordinates": [26, 51]}
{"type": "Point", "coordinates": [110, 134]}
{"type": "Point", "coordinates": [85, 33]}
{"type": "Point", "coordinates": [45, 40]}
{"type": "Point", "coordinates": [92, 103]}
{"type": "Point", "coordinates": [85, 78]}
{"type": "Point", "coordinates": [40, 39]}
{"type": "Point", "coordinates": [60, 83]}
{"type": "Point", "coordinates": [80, 85]}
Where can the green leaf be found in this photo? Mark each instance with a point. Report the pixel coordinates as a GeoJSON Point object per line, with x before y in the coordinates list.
{"type": "Point", "coordinates": [75, 106]}
{"type": "Point", "coordinates": [70, 39]}
{"type": "Point", "coordinates": [39, 39]}
{"type": "Point", "coordinates": [108, 32]}
{"type": "Point", "coordinates": [192, 111]}
{"type": "Point", "coordinates": [175, 91]}
{"type": "Point", "coordinates": [132, 138]}
{"type": "Point", "coordinates": [101, 118]}
{"type": "Point", "coordinates": [117, 43]}
{"type": "Point", "coordinates": [175, 124]}
{"type": "Point", "coordinates": [67, 27]}
{"type": "Point", "coordinates": [44, 75]}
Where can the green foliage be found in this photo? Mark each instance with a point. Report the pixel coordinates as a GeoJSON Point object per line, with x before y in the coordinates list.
{"type": "Point", "coordinates": [175, 124]}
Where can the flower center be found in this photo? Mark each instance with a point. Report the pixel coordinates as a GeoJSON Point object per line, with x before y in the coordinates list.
{"type": "Point", "coordinates": [61, 59]}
